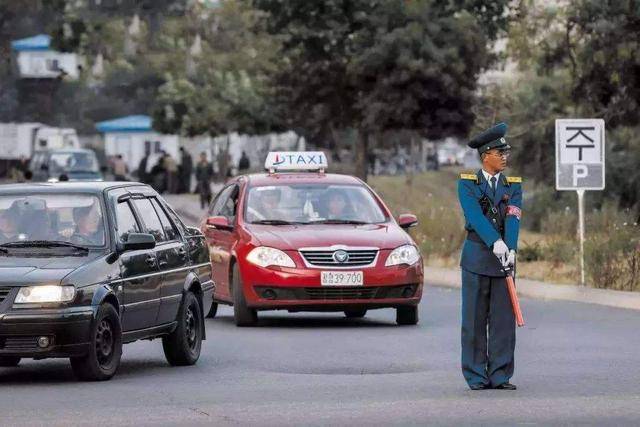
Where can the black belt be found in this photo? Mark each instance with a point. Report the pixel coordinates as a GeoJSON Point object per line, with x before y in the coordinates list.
{"type": "Point", "coordinates": [475, 237]}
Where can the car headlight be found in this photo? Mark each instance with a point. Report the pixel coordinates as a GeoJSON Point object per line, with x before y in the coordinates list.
{"type": "Point", "coordinates": [405, 254]}
{"type": "Point", "coordinates": [265, 256]}
{"type": "Point", "coordinates": [44, 294]}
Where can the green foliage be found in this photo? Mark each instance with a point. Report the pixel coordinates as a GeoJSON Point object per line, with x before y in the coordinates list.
{"type": "Point", "coordinates": [380, 65]}
{"type": "Point", "coordinates": [228, 89]}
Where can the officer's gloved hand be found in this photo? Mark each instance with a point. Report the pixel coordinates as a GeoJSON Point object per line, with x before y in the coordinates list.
{"type": "Point", "coordinates": [501, 251]}
{"type": "Point", "coordinates": [511, 258]}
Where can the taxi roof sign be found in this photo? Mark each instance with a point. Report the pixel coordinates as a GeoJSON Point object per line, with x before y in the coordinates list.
{"type": "Point", "coordinates": [295, 161]}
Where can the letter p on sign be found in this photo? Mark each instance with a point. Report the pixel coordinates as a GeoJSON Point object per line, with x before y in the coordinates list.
{"type": "Point", "coordinates": [579, 171]}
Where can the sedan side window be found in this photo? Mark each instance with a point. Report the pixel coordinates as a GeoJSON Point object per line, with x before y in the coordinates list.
{"type": "Point", "coordinates": [169, 229]}
{"type": "Point", "coordinates": [150, 218]}
{"type": "Point", "coordinates": [126, 221]}
{"type": "Point", "coordinates": [228, 209]}
{"type": "Point", "coordinates": [220, 201]}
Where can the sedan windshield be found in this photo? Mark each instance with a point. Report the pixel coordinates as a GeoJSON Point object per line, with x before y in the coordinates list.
{"type": "Point", "coordinates": [39, 219]}
{"type": "Point", "coordinates": [73, 161]}
{"type": "Point", "coordinates": [312, 203]}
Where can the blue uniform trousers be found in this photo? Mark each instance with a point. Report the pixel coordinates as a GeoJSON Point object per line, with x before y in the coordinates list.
{"type": "Point", "coordinates": [486, 307]}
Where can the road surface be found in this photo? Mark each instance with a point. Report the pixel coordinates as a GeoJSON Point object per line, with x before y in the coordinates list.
{"type": "Point", "coordinates": [575, 364]}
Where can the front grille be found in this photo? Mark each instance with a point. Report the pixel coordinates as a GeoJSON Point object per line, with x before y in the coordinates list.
{"type": "Point", "coordinates": [346, 293]}
{"type": "Point", "coordinates": [19, 343]}
{"type": "Point", "coordinates": [4, 293]}
{"type": "Point", "coordinates": [325, 258]}
{"type": "Point", "coordinates": [341, 293]}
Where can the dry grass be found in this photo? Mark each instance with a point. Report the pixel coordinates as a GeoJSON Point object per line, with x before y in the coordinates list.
{"type": "Point", "coordinates": [432, 197]}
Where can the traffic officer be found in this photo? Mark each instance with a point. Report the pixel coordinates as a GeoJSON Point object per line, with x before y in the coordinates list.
{"type": "Point", "coordinates": [491, 203]}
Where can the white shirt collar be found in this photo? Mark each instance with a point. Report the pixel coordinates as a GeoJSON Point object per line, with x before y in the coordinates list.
{"type": "Point", "coordinates": [488, 176]}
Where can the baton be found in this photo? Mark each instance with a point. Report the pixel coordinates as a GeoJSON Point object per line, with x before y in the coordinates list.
{"type": "Point", "coordinates": [511, 287]}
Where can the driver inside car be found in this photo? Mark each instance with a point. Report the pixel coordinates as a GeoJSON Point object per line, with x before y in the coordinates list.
{"type": "Point", "coordinates": [89, 230]}
{"type": "Point", "coordinates": [268, 206]}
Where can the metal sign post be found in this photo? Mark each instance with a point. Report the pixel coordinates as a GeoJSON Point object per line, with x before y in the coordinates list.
{"type": "Point", "coordinates": [580, 164]}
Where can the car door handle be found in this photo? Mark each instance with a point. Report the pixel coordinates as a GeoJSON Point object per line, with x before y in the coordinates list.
{"type": "Point", "coordinates": [163, 263]}
{"type": "Point", "coordinates": [151, 260]}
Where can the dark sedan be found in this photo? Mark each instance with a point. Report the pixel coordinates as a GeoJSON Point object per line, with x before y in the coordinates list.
{"type": "Point", "coordinates": [86, 267]}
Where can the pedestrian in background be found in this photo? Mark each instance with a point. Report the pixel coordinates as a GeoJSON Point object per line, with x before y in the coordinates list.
{"type": "Point", "coordinates": [491, 204]}
{"type": "Point", "coordinates": [142, 168]}
{"type": "Point", "coordinates": [158, 176]}
{"type": "Point", "coordinates": [172, 173]}
{"type": "Point", "coordinates": [244, 164]}
{"type": "Point", "coordinates": [204, 173]}
{"type": "Point", "coordinates": [186, 170]}
{"type": "Point", "coordinates": [120, 168]}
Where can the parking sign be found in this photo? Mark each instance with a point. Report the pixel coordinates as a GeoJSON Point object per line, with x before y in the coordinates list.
{"type": "Point", "coordinates": [580, 154]}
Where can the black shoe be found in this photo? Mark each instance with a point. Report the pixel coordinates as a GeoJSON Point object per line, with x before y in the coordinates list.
{"type": "Point", "coordinates": [506, 386]}
{"type": "Point", "coordinates": [480, 387]}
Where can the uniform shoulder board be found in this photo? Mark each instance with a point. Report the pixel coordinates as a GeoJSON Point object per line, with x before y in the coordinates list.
{"type": "Point", "coordinates": [514, 179]}
{"type": "Point", "coordinates": [470, 176]}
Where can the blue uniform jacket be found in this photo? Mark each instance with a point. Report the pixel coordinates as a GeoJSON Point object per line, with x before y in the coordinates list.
{"type": "Point", "coordinates": [477, 256]}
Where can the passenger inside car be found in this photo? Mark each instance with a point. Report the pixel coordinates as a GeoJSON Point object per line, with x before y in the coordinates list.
{"type": "Point", "coordinates": [338, 206]}
{"type": "Point", "coordinates": [8, 226]}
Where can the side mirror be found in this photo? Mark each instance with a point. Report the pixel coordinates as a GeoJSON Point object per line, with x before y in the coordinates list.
{"type": "Point", "coordinates": [407, 221]}
{"type": "Point", "coordinates": [219, 222]}
{"type": "Point", "coordinates": [139, 241]}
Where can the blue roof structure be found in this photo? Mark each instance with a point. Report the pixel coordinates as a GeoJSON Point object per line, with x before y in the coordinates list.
{"type": "Point", "coordinates": [39, 42]}
{"type": "Point", "coordinates": [138, 123]}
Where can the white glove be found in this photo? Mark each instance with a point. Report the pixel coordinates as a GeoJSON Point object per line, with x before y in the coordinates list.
{"type": "Point", "coordinates": [511, 258]}
{"type": "Point", "coordinates": [501, 251]}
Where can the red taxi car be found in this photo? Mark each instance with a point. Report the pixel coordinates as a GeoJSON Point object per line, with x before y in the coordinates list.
{"type": "Point", "coordinates": [309, 241]}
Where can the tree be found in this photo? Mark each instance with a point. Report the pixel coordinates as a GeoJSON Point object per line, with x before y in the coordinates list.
{"type": "Point", "coordinates": [227, 90]}
{"type": "Point", "coordinates": [579, 59]}
{"type": "Point", "coordinates": [379, 65]}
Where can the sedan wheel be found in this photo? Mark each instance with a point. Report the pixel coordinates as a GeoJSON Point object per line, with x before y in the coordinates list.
{"type": "Point", "coordinates": [243, 315]}
{"type": "Point", "coordinates": [182, 346]}
{"type": "Point", "coordinates": [104, 355]}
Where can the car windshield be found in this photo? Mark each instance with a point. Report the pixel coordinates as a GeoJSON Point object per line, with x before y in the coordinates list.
{"type": "Point", "coordinates": [73, 161]}
{"type": "Point", "coordinates": [312, 203]}
{"type": "Point", "coordinates": [39, 219]}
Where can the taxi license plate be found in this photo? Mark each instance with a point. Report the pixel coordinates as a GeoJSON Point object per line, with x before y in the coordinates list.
{"type": "Point", "coordinates": [342, 278]}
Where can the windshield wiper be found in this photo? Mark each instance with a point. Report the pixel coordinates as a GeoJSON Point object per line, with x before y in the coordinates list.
{"type": "Point", "coordinates": [274, 222]}
{"type": "Point", "coordinates": [43, 244]}
{"type": "Point", "coordinates": [338, 221]}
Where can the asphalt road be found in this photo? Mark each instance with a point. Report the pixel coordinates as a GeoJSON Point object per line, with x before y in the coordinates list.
{"type": "Point", "coordinates": [575, 364]}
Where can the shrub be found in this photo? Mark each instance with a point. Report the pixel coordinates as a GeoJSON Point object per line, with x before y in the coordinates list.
{"type": "Point", "coordinates": [612, 256]}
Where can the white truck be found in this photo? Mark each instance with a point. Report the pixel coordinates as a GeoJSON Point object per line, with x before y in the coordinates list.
{"type": "Point", "coordinates": [20, 140]}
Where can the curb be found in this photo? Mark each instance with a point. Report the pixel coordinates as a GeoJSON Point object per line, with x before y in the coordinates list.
{"type": "Point", "coordinates": [447, 278]}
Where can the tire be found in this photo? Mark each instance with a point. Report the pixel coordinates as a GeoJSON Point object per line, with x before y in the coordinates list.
{"type": "Point", "coordinates": [355, 314]}
{"type": "Point", "coordinates": [103, 358]}
{"type": "Point", "coordinates": [213, 310]}
{"type": "Point", "coordinates": [407, 315]}
{"type": "Point", "coordinates": [182, 346]}
{"type": "Point", "coordinates": [9, 361]}
{"type": "Point", "coordinates": [242, 315]}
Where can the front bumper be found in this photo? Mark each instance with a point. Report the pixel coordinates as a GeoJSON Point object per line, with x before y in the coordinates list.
{"type": "Point", "coordinates": [68, 330]}
{"type": "Point", "coordinates": [299, 289]}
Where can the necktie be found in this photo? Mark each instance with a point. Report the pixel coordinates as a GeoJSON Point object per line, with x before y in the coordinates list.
{"type": "Point", "coordinates": [493, 184]}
